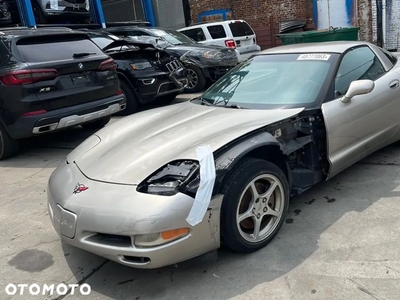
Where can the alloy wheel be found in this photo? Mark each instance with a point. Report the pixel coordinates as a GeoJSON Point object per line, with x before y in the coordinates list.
{"type": "Point", "coordinates": [260, 208]}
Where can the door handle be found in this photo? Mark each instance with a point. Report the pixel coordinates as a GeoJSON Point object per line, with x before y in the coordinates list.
{"type": "Point", "coordinates": [394, 84]}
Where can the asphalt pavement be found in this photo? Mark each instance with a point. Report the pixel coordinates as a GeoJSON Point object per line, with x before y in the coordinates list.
{"type": "Point", "coordinates": [340, 240]}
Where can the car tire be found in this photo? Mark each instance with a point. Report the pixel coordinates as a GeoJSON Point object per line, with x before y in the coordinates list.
{"type": "Point", "coordinates": [167, 99]}
{"type": "Point", "coordinates": [98, 124]}
{"type": "Point", "coordinates": [8, 146]}
{"type": "Point", "coordinates": [239, 200]}
{"type": "Point", "coordinates": [38, 13]}
{"type": "Point", "coordinates": [196, 80]}
{"type": "Point", "coordinates": [132, 103]}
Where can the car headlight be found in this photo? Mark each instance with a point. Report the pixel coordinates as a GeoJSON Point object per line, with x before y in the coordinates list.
{"type": "Point", "coordinates": [178, 176]}
{"type": "Point", "coordinates": [213, 54]}
{"type": "Point", "coordinates": [141, 65]}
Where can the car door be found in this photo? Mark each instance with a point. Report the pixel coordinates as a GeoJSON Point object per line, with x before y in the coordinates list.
{"type": "Point", "coordinates": [367, 122]}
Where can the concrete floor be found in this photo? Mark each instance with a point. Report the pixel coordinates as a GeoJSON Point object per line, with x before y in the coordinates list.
{"type": "Point", "coordinates": [340, 240]}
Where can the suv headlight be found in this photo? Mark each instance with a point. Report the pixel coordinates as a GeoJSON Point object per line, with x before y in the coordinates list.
{"type": "Point", "coordinates": [141, 65]}
{"type": "Point", "coordinates": [177, 176]}
{"type": "Point", "coordinates": [213, 54]}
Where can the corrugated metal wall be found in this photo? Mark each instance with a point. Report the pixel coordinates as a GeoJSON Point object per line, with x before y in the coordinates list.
{"type": "Point", "coordinates": [123, 10]}
{"type": "Point", "coordinates": [169, 13]}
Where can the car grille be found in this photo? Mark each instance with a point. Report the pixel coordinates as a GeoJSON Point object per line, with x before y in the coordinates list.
{"type": "Point", "coordinates": [173, 66]}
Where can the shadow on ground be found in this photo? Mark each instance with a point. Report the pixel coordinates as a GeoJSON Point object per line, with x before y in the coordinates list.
{"type": "Point", "coordinates": [311, 217]}
{"type": "Point", "coordinates": [47, 151]}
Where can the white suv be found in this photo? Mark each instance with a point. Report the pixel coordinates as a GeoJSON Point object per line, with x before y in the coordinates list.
{"type": "Point", "coordinates": [236, 34]}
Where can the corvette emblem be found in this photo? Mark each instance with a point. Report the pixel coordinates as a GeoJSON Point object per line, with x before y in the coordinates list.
{"type": "Point", "coordinates": [80, 188]}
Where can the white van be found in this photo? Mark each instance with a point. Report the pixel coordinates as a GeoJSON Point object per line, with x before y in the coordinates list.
{"type": "Point", "coordinates": [236, 34]}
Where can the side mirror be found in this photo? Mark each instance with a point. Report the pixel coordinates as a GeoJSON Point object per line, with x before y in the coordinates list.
{"type": "Point", "coordinates": [358, 87]}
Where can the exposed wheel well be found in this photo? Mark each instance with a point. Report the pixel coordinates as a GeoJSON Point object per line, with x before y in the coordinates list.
{"type": "Point", "coordinates": [272, 154]}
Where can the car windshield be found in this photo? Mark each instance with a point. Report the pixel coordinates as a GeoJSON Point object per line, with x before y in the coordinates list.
{"type": "Point", "coordinates": [172, 36]}
{"type": "Point", "coordinates": [102, 41]}
{"type": "Point", "coordinates": [273, 81]}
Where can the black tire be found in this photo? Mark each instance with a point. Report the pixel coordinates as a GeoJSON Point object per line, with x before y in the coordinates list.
{"type": "Point", "coordinates": [243, 174]}
{"type": "Point", "coordinates": [132, 103]}
{"type": "Point", "coordinates": [8, 146]}
{"type": "Point", "coordinates": [167, 99]}
{"type": "Point", "coordinates": [98, 124]}
{"type": "Point", "coordinates": [199, 84]}
{"type": "Point", "coordinates": [38, 13]}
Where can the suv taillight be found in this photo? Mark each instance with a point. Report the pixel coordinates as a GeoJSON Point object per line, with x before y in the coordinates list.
{"type": "Point", "coordinates": [28, 76]}
{"type": "Point", "coordinates": [230, 44]}
{"type": "Point", "coordinates": [108, 64]}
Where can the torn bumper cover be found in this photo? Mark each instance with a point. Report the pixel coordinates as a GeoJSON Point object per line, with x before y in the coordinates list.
{"type": "Point", "coordinates": [118, 222]}
{"type": "Point", "coordinates": [211, 58]}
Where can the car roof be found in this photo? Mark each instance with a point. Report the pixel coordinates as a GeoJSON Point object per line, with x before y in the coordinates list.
{"type": "Point", "coordinates": [23, 31]}
{"type": "Point", "coordinates": [197, 25]}
{"type": "Point", "coordinates": [149, 29]}
{"type": "Point", "coordinates": [321, 47]}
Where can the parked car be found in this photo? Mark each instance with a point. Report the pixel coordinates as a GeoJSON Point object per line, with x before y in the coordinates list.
{"type": "Point", "coordinates": [5, 14]}
{"type": "Point", "coordinates": [57, 11]}
{"type": "Point", "coordinates": [235, 34]}
{"type": "Point", "coordinates": [204, 64]}
{"type": "Point", "coordinates": [146, 72]}
{"type": "Point", "coordinates": [52, 80]}
{"type": "Point", "coordinates": [223, 166]}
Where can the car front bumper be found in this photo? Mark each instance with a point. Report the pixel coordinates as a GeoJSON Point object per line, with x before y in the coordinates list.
{"type": "Point", "coordinates": [160, 84]}
{"type": "Point", "coordinates": [106, 218]}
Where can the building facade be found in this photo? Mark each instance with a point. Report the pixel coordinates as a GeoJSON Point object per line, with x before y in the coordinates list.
{"type": "Point", "coordinates": [265, 16]}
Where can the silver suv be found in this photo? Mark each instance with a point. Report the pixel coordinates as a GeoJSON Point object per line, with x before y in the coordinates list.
{"type": "Point", "coordinates": [46, 11]}
{"type": "Point", "coordinates": [236, 34]}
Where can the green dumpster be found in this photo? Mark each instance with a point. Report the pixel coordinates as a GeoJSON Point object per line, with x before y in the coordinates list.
{"type": "Point", "coordinates": [315, 36]}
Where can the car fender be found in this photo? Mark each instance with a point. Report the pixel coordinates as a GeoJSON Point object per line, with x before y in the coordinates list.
{"type": "Point", "coordinates": [228, 157]}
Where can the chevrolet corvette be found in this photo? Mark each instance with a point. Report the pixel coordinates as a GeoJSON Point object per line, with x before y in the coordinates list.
{"type": "Point", "coordinates": [172, 183]}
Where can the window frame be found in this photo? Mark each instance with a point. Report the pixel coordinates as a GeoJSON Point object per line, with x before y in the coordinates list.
{"type": "Point", "coordinates": [331, 93]}
{"type": "Point", "coordinates": [217, 25]}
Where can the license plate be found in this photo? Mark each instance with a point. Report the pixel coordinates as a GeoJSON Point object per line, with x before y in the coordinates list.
{"type": "Point", "coordinates": [65, 220]}
{"type": "Point", "coordinates": [173, 66]}
{"type": "Point", "coordinates": [80, 80]}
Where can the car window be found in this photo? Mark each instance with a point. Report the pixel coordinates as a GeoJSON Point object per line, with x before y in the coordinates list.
{"type": "Point", "coordinates": [101, 41]}
{"type": "Point", "coordinates": [196, 34]}
{"type": "Point", "coordinates": [274, 81]}
{"type": "Point", "coordinates": [390, 56]}
{"type": "Point", "coordinates": [130, 33]}
{"type": "Point", "coordinates": [358, 63]}
{"type": "Point", "coordinates": [239, 28]}
{"type": "Point", "coordinates": [53, 48]}
{"type": "Point", "coordinates": [217, 31]}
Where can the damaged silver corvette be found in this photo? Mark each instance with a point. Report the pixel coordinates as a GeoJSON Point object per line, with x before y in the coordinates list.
{"type": "Point", "coordinates": [166, 185]}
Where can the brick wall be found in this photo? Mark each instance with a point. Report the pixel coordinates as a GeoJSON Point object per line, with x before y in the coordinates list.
{"type": "Point", "coordinates": [365, 20]}
{"type": "Point", "coordinates": [259, 13]}
{"type": "Point", "coordinates": [256, 12]}
{"type": "Point", "coordinates": [263, 16]}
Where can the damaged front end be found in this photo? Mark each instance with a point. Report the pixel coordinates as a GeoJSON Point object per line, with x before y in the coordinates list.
{"type": "Point", "coordinates": [211, 58]}
{"type": "Point", "coordinates": [179, 176]}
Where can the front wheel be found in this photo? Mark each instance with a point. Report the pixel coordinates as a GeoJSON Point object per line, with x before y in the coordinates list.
{"type": "Point", "coordinates": [132, 103]}
{"type": "Point", "coordinates": [196, 80]}
{"type": "Point", "coordinates": [256, 200]}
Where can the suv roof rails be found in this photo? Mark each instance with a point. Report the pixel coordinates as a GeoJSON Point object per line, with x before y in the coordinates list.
{"type": "Point", "coordinates": [70, 26]}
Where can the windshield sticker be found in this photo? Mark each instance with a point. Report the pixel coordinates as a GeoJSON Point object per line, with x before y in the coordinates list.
{"type": "Point", "coordinates": [314, 56]}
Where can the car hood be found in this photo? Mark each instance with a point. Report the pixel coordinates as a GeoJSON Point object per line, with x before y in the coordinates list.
{"type": "Point", "coordinates": [187, 47]}
{"type": "Point", "coordinates": [132, 148]}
